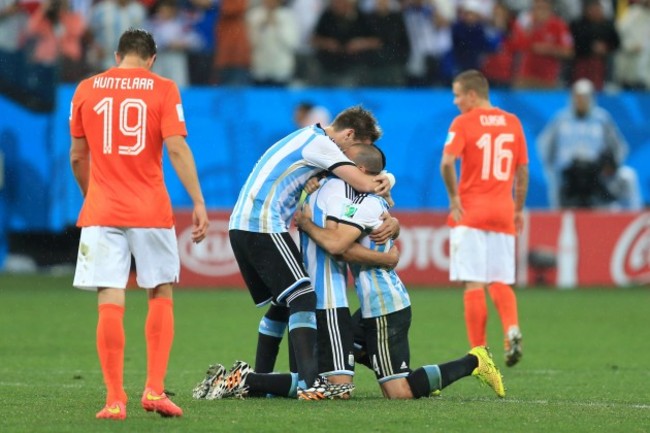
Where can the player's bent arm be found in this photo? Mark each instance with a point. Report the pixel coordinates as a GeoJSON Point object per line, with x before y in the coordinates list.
{"type": "Point", "coordinates": [334, 241]}
{"type": "Point", "coordinates": [80, 162]}
{"type": "Point", "coordinates": [358, 254]}
{"type": "Point", "coordinates": [351, 174]}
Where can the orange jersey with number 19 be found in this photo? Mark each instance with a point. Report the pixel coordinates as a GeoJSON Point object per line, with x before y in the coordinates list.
{"type": "Point", "coordinates": [491, 145]}
{"type": "Point", "coordinates": [125, 114]}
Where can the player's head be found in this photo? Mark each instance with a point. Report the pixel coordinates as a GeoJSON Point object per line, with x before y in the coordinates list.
{"type": "Point", "coordinates": [355, 125]}
{"type": "Point", "coordinates": [370, 159]}
{"type": "Point", "coordinates": [471, 89]}
{"type": "Point", "coordinates": [582, 93]}
{"type": "Point", "coordinates": [138, 43]}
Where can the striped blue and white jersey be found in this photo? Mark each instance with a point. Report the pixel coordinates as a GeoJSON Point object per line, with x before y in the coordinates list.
{"type": "Point", "coordinates": [380, 291]}
{"type": "Point", "coordinates": [328, 275]}
{"type": "Point", "coordinates": [270, 195]}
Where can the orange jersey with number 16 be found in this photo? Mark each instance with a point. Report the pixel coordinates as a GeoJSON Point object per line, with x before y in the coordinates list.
{"type": "Point", "coordinates": [125, 114]}
{"type": "Point", "coordinates": [491, 145]}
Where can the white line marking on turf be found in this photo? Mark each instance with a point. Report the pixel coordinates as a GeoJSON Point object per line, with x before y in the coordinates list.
{"type": "Point", "coordinates": [578, 403]}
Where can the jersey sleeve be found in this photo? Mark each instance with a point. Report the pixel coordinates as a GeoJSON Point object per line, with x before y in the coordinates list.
{"type": "Point", "coordinates": [173, 117]}
{"type": "Point", "coordinates": [455, 142]}
{"type": "Point", "coordinates": [365, 213]}
{"type": "Point", "coordinates": [324, 153]}
{"type": "Point", "coordinates": [76, 125]}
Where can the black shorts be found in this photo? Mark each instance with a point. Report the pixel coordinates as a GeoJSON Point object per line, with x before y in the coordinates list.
{"type": "Point", "coordinates": [384, 341]}
{"type": "Point", "coordinates": [335, 342]}
{"type": "Point", "coordinates": [270, 264]}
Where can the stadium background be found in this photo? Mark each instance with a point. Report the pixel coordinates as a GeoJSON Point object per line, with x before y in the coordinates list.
{"type": "Point", "coordinates": [229, 128]}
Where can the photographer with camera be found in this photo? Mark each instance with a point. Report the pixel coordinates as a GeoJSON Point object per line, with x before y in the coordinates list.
{"type": "Point", "coordinates": [573, 147]}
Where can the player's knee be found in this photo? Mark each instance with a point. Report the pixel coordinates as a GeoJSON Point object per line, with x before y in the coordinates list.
{"type": "Point", "coordinates": [277, 313]}
{"type": "Point", "coordinates": [302, 299]}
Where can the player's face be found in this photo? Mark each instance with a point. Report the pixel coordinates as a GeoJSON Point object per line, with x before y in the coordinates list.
{"type": "Point", "coordinates": [462, 99]}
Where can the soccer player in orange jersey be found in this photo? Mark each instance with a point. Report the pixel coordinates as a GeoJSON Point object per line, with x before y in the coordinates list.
{"type": "Point", "coordinates": [118, 122]}
{"type": "Point", "coordinates": [486, 206]}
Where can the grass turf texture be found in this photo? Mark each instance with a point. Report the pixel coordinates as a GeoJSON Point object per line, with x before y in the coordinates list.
{"type": "Point", "coordinates": [585, 366]}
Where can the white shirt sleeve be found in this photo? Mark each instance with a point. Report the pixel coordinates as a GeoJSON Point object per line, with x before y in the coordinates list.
{"type": "Point", "coordinates": [324, 153]}
{"type": "Point", "coordinates": [365, 213]}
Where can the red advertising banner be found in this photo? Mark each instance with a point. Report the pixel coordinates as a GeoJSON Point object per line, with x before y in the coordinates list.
{"type": "Point", "coordinates": [565, 249]}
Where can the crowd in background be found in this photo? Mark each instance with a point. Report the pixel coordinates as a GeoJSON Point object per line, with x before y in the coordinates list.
{"type": "Point", "coordinates": [538, 44]}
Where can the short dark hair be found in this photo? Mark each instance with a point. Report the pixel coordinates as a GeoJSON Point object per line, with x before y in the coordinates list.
{"type": "Point", "coordinates": [137, 41]}
{"type": "Point", "coordinates": [368, 156]}
{"type": "Point", "coordinates": [474, 80]}
{"type": "Point", "coordinates": [361, 120]}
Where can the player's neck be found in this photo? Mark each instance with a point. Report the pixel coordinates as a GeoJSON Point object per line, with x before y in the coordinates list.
{"type": "Point", "coordinates": [131, 62]}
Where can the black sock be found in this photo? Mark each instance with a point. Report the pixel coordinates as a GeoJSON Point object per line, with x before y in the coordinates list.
{"type": "Point", "coordinates": [302, 332]}
{"type": "Point", "coordinates": [281, 384]}
{"type": "Point", "coordinates": [450, 372]}
{"type": "Point", "coordinates": [419, 382]}
{"type": "Point", "coordinates": [271, 330]}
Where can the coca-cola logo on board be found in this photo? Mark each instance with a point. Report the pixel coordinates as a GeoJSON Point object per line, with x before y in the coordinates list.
{"type": "Point", "coordinates": [630, 263]}
{"type": "Point", "coordinates": [213, 256]}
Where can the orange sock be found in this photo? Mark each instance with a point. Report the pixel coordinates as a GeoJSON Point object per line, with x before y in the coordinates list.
{"type": "Point", "coordinates": [475, 316]}
{"type": "Point", "coordinates": [159, 332]}
{"type": "Point", "coordinates": [505, 302]}
{"type": "Point", "coordinates": [110, 348]}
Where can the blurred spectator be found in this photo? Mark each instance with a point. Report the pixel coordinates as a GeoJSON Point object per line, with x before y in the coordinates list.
{"type": "Point", "coordinates": [12, 21]}
{"type": "Point", "coordinates": [306, 113]}
{"type": "Point", "coordinates": [388, 67]}
{"type": "Point", "coordinates": [571, 148]}
{"type": "Point", "coordinates": [108, 20]}
{"type": "Point", "coordinates": [306, 14]}
{"type": "Point", "coordinates": [595, 39]}
{"type": "Point", "coordinates": [174, 38]}
{"type": "Point", "coordinates": [344, 44]}
{"type": "Point", "coordinates": [428, 24]}
{"type": "Point", "coordinates": [621, 184]}
{"type": "Point", "coordinates": [498, 66]}
{"type": "Point", "coordinates": [273, 34]}
{"type": "Point", "coordinates": [233, 56]}
{"type": "Point", "coordinates": [632, 62]}
{"type": "Point", "coordinates": [202, 14]}
{"type": "Point", "coordinates": [544, 41]}
{"type": "Point", "coordinates": [54, 46]}
{"type": "Point", "coordinates": [572, 10]}
{"type": "Point", "coordinates": [472, 39]}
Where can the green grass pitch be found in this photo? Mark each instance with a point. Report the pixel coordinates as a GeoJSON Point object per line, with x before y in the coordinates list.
{"type": "Point", "coordinates": [585, 366]}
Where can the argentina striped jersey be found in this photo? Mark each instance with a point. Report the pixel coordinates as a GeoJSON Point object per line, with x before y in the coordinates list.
{"type": "Point", "coordinates": [328, 275]}
{"type": "Point", "coordinates": [269, 197]}
{"type": "Point", "coordinates": [380, 291]}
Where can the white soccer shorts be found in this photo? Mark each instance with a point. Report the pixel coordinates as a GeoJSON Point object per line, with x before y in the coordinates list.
{"type": "Point", "coordinates": [104, 257]}
{"type": "Point", "coordinates": [481, 256]}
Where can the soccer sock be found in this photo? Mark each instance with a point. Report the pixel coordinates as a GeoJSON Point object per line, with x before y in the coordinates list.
{"type": "Point", "coordinates": [505, 303]}
{"type": "Point", "coordinates": [110, 348]}
{"type": "Point", "coordinates": [281, 384]}
{"type": "Point", "coordinates": [424, 380]}
{"type": "Point", "coordinates": [475, 316]}
{"type": "Point", "coordinates": [269, 337]}
{"type": "Point", "coordinates": [450, 372]}
{"type": "Point", "coordinates": [302, 333]}
{"type": "Point", "coordinates": [159, 333]}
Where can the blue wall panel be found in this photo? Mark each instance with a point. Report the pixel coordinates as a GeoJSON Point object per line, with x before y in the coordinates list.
{"type": "Point", "coordinates": [230, 128]}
